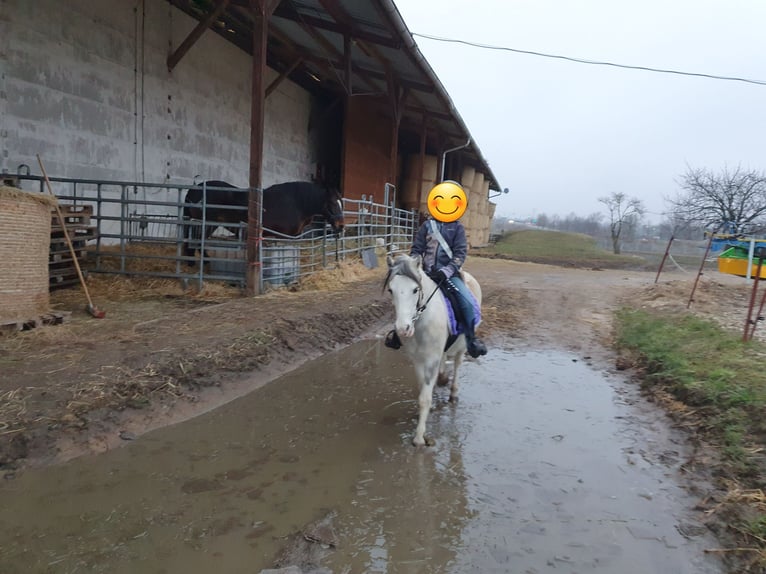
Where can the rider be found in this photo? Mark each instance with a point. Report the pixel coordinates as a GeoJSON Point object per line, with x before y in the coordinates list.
{"type": "Point", "coordinates": [442, 244]}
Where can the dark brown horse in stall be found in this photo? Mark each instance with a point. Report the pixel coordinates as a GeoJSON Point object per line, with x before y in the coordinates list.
{"type": "Point", "coordinates": [287, 209]}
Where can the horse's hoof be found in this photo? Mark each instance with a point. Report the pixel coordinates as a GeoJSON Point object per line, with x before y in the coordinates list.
{"type": "Point", "coordinates": [454, 399]}
{"type": "Point", "coordinates": [427, 441]}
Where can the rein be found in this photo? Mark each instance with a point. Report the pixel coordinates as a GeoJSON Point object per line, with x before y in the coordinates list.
{"type": "Point", "coordinates": [421, 308]}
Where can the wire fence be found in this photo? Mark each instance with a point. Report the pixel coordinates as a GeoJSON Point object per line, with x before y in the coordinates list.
{"type": "Point", "coordinates": [685, 255]}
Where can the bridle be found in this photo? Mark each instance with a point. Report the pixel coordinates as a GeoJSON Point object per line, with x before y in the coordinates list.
{"type": "Point", "coordinates": [422, 306]}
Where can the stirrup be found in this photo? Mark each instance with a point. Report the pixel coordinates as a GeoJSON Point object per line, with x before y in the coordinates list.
{"type": "Point", "coordinates": [392, 340]}
{"type": "Point", "coordinates": [476, 348]}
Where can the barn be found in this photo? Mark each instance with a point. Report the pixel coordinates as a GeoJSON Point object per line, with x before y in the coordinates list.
{"type": "Point", "coordinates": [147, 95]}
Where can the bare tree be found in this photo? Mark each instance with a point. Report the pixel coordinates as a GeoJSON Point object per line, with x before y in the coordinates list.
{"type": "Point", "coordinates": [736, 199]}
{"type": "Point", "coordinates": [680, 228]}
{"type": "Point", "coordinates": [624, 212]}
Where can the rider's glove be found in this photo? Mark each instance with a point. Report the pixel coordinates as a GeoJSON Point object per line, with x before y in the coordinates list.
{"type": "Point", "coordinates": [441, 275]}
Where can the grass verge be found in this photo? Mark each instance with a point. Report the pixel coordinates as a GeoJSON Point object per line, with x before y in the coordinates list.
{"type": "Point", "coordinates": [559, 248]}
{"type": "Point", "coordinates": [722, 382]}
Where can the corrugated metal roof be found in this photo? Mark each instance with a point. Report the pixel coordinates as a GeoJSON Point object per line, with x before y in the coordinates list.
{"type": "Point", "coordinates": [381, 47]}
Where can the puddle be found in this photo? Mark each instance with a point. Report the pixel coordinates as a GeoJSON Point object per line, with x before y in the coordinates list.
{"type": "Point", "coordinates": [541, 467]}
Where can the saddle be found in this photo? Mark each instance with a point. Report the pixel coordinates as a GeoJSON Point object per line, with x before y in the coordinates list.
{"type": "Point", "coordinates": [454, 323]}
{"type": "Point", "coordinates": [455, 320]}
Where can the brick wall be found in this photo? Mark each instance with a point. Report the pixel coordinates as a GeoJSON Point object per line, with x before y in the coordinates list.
{"type": "Point", "coordinates": [367, 149]}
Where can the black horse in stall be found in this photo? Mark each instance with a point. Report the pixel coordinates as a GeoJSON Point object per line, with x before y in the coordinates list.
{"type": "Point", "coordinates": [287, 209]}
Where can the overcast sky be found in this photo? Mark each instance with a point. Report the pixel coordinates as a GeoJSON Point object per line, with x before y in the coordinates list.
{"type": "Point", "coordinates": [560, 135]}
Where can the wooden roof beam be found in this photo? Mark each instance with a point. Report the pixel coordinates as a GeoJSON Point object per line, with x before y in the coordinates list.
{"type": "Point", "coordinates": [374, 74]}
{"type": "Point", "coordinates": [328, 48]}
{"type": "Point", "coordinates": [195, 34]}
{"type": "Point", "coordinates": [373, 52]}
{"type": "Point", "coordinates": [275, 84]}
{"type": "Point", "coordinates": [431, 113]}
{"type": "Point", "coordinates": [303, 53]}
{"type": "Point", "coordinates": [289, 13]}
{"type": "Point", "coordinates": [414, 61]}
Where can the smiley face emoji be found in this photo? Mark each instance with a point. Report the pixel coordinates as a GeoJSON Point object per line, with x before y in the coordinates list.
{"type": "Point", "coordinates": [447, 202]}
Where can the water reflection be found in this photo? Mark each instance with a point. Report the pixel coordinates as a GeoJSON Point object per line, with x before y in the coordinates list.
{"type": "Point", "coordinates": [227, 489]}
{"type": "Point", "coordinates": [541, 467]}
{"type": "Point", "coordinates": [409, 509]}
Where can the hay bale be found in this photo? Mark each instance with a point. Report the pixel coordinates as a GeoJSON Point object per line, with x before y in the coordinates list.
{"type": "Point", "coordinates": [25, 235]}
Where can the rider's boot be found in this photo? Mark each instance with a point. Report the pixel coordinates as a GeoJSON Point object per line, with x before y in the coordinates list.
{"type": "Point", "coordinates": [474, 346]}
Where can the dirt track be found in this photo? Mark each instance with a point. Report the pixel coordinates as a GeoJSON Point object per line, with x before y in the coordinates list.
{"type": "Point", "coordinates": [90, 384]}
{"type": "Point", "coordinates": [159, 358]}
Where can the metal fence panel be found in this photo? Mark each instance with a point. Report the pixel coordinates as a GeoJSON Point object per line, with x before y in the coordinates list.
{"type": "Point", "coordinates": [141, 231]}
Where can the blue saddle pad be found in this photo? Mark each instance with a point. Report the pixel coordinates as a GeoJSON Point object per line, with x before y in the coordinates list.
{"type": "Point", "coordinates": [454, 327]}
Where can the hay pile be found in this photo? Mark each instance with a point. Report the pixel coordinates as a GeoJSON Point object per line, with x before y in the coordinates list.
{"type": "Point", "coordinates": [147, 258]}
{"type": "Point", "coordinates": [333, 279]}
{"type": "Point", "coordinates": [25, 234]}
{"type": "Point", "coordinates": [158, 258]}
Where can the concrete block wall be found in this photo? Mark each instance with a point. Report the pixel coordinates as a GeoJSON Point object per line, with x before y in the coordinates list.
{"type": "Point", "coordinates": [84, 83]}
{"type": "Point", "coordinates": [4, 48]}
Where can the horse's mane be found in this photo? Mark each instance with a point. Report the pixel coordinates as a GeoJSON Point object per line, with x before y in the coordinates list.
{"type": "Point", "coordinates": [402, 265]}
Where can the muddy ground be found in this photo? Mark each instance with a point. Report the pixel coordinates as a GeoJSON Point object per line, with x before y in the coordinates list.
{"type": "Point", "coordinates": [159, 357]}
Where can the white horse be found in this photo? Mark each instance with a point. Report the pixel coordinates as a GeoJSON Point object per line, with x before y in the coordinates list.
{"type": "Point", "coordinates": [421, 323]}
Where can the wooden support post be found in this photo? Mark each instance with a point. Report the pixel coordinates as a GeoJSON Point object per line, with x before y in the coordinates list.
{"type": "Point", "coordinates": [260, 11]}
{"type": "Point", "coordinates": [394, 153]}
{"type": "Point", "coordinates": [702, 265]}
{"type": "Point", "coordinates": [439, 157]}
{"type": "Point", "coordinates": [347, 64]}
{"type": "Point", "coordinates": [396, 97]}
{"type": "Point", "coordinates": [422, 162]}
{"type": "Point", "coordinates": [664, 257]}
{"type": "Point", "coordinates": [750, 319]}
{"type": "Point", "coordinates": [758, 316]}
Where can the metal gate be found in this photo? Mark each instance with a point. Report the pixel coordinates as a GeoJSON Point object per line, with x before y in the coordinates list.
{"type": "Point", "coordinates": [141, 231]}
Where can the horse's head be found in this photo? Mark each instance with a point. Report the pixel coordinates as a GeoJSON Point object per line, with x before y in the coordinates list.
{"type": "Point", "coordinates": [404, 282]}
{"type": "Point", "coordinates": [333, 209]}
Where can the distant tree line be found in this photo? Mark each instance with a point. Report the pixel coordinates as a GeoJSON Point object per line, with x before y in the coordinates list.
{"type": "Point", "coordinates": [729, 201]}
{"type": "Point", "coordinates": [633, 229]}
{"type": "Point", "coordinates": [595, 226]}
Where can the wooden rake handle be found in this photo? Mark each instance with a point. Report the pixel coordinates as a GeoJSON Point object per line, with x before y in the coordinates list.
{"type": "Point", "coordinates": [66, 233]}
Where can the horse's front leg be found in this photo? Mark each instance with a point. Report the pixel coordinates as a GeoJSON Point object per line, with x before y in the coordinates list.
{"type": "Point", "coordinates": [427, 378]}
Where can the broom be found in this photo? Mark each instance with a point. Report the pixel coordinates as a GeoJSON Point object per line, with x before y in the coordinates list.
{"type": "Point", "coordinates": [91, 308]}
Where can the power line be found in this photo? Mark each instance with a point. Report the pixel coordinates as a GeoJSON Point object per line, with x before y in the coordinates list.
{"type": "Point", "coordinates": [591, 62]}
